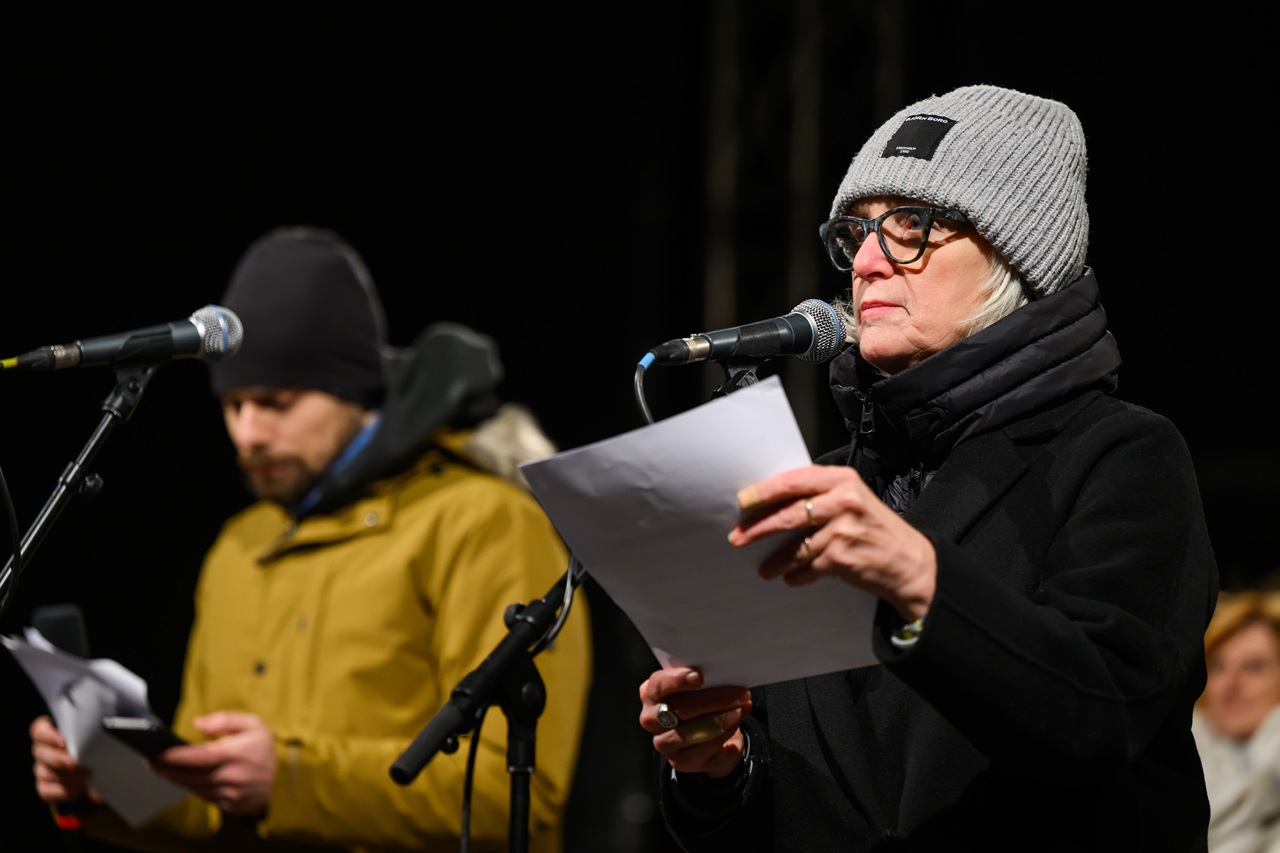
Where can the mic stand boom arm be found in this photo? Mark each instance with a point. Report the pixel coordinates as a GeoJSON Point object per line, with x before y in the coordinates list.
{"type": "Point", "coordinates": [131, 381]}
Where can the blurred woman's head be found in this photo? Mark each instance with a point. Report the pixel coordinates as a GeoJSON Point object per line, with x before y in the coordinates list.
{"type": "Point", "coordinates": [1242, 650]}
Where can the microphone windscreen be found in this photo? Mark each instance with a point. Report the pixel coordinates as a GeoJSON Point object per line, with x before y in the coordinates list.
{"type": "Point", "coordinates": [220, 330]}
{"type": "Point", "coordinates": [829, 331]}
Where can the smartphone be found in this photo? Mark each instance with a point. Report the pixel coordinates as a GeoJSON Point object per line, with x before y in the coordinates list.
{"type": "Point", "coordinates": [147, 735]}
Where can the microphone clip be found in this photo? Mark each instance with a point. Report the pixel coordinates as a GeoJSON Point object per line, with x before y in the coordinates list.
{"type": "Point", "coordinates": [738, 373]}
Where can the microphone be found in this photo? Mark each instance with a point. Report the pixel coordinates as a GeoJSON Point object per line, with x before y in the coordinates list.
{"type": "Point", "coordinates": [63, 626]}
{"type": "Point", "coordinates": [210, 334]}
{"type": "Point", "coordinates": [812, 330]}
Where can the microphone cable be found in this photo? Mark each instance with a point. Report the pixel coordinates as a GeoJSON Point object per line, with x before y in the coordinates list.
{"type": "Point", "coordinates": [15, 536]}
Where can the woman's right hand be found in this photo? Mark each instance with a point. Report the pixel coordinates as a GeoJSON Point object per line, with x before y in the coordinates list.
{"type": "Point", "coordinates": [708, 739]}
{"type": "Point", "coordinates": [59, 777]}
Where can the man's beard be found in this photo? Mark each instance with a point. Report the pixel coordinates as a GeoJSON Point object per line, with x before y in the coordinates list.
{"type": "Point", "coordinates": [284, 480]}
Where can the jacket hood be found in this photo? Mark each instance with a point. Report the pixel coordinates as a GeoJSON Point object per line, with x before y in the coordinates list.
{"type": "Point", "coordinates": [442, 390]}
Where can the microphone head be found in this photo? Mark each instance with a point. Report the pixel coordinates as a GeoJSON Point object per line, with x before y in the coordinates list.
{"type": "Point", "coordinates": [828, 337]}
{"type": "Point", "coordinates": [64, 626]}
{"type": "Point", "coordinates": [220, 330]}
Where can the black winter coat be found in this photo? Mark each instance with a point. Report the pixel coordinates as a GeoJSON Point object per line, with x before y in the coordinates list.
{"type": "Point", "coordinates": [1047, 704]}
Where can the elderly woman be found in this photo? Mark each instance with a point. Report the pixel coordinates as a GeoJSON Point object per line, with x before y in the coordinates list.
{"type": "Point", "coordinates": [1237, 723]}
{"type": "Point", "coordinates": [1037, 546]}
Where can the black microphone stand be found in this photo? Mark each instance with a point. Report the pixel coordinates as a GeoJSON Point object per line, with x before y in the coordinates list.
{"type": "Point", "coordinates": [509, 678]}
{"type": "Point", "coordinates": [131, 382]}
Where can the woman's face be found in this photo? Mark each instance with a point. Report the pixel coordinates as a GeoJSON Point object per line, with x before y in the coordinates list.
{"type": "Point", "coordinates": [907, 312]}
{"type": "Point", "coordinates": [1244, 680]}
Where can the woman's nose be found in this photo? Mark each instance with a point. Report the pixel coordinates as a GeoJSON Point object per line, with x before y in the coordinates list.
{"type": "Point", "coordinates": [870, 260]}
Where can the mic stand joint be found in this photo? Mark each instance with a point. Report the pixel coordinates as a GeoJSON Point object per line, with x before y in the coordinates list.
{"type": "Point", "coordinates": [739, 373]}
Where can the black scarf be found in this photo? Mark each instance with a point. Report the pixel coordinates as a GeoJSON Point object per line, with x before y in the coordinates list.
{"type": "Point", "coordinates": [902, 427]}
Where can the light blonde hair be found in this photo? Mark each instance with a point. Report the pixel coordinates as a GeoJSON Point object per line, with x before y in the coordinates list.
{"type": "Point", "coordinates": [1235, 610]}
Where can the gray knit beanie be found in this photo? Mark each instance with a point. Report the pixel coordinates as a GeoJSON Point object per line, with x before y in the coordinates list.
{"type": "Point", "coordinates": [1013, 163]}
{"type": "Point", "coordinates": [311, 315]}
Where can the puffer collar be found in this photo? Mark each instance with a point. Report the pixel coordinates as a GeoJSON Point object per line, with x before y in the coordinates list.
{"type": "Point", "coordinates": [1048, 350]}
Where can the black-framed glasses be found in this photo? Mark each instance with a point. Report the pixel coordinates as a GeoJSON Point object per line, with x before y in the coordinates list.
{"type": "Point", "coordinates": [903, 233]}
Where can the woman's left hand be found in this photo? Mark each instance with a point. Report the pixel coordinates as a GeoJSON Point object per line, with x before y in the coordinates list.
{"type": "Point", "coordinates": [845, 531]}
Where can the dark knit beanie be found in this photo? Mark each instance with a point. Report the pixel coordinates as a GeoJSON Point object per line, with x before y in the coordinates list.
{"type": "Point", "coordinates": [312, 318]}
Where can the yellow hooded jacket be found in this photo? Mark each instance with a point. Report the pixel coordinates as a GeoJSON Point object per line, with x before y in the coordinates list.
{"type": "Point", "coordinates": [346, 634]}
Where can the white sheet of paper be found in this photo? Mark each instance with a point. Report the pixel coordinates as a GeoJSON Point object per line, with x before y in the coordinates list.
{"type": "Point", "coordinates": [79, 693]}
{"type": "Point", "coordinates": [648, 514]}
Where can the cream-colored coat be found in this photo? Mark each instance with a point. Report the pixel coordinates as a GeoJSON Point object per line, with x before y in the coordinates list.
{"type": "Point", "coordinates": [1243, 780]}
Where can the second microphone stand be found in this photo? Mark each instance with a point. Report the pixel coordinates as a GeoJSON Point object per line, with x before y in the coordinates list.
{"type": "Point", "coordinates": [508, 678]}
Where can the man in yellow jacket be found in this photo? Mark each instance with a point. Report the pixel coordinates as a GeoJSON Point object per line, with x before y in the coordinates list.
{"type": "Point", "coordinates": [335, 616]}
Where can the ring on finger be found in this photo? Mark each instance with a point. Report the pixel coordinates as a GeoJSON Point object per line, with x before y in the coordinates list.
{"type": "Point", "coordinates": [666, 717]}
{"type": "Point", "coordinates": [807, 545]}
{"type": "Point", "coordinates": [808, 511]}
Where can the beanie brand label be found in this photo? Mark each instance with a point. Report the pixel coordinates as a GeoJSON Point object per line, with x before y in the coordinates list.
{"type": "Point", "coordinates": [918, 136]}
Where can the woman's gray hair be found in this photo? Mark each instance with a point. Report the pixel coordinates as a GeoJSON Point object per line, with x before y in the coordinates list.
{"type": "Point", "coordinates": [1002, 289]}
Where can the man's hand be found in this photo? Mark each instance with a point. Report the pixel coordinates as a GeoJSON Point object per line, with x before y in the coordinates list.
{"type": "Point", "coordinates": [59, 777]}
{"type": "Point", "coordinates": [235, 771]}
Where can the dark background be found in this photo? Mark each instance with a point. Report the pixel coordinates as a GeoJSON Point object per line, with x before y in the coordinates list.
{"type": "Point", "coordinates": [582, 186]}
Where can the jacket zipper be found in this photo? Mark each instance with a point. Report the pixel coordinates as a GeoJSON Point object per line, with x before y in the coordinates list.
{"type": "Point", "coordinates": [867, 423]}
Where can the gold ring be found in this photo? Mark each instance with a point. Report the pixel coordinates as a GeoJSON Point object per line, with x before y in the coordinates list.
{"type": "Point", "coordinates": [700, 729]}
{"type": "Point", "coordinates": [666, 717]}
{"type": "Point", "coordinates": [808, 550]}
{"type": "Point", "coordinates": [808, 510]}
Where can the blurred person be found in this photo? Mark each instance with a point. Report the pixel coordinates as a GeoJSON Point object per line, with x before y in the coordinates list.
{"type": "Point", "coordinates": [1037, 546]}
{"type": "Point", "coordinates": [1237, 723]}
{"type": "Point", "coordinates": [335, 615]}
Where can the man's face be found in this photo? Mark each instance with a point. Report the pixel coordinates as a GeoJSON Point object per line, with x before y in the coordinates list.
{"type": "Point", "coordinates": [286, 437]}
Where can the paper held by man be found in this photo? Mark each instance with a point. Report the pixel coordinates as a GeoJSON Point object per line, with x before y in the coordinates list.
{"type": "Point", "coordinates": [648, 514]}
{"type": "Point", "coordinates": [79, 693]}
